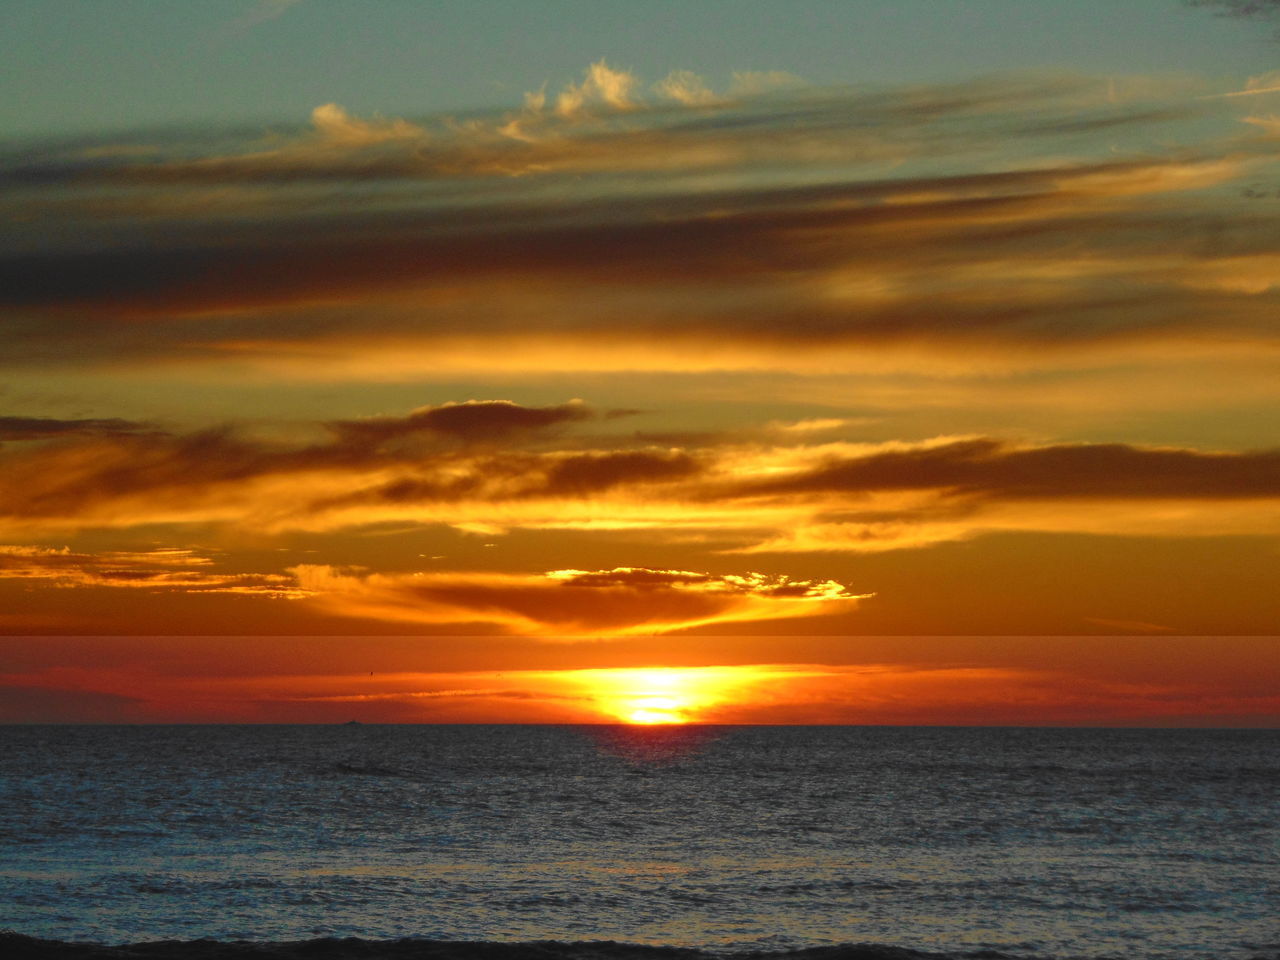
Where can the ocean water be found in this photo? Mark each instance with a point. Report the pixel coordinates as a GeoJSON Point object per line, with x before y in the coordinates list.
{"type": "Point", "coordinates": [1032, 842]}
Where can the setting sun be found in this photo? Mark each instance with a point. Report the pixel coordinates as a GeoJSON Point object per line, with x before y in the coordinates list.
{"type": "Point", "coordinates": [658, 710]}
{"type": "Point", "coordinates": [667, 695]}
{"type": "Point", "coordinates": [656, 696]}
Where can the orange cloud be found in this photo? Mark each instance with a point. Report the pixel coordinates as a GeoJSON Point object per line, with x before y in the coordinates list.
{"type": "Point", "coordinates": [623, 601]}
{"type": "Point", "coordinates": [163, 569]}
{"type": "Point", "coordinates": [477, 466]}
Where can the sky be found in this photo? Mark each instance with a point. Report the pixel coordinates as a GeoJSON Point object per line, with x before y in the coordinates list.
{"type": "Point", "coordinates": [875, 362]}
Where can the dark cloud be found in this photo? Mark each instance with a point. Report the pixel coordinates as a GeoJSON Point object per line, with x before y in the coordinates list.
{"type": "Point", "coordinates": [585, 473]}
{"type": "Point", "coordinates": [1264, 10]}
{"type": "Point", "coordinates": [991, 468]}
{"type": "Point", "coordinates": [40, 428]}
{"type": "Point", "coordinates": [471, 420]}
{"type": "Point", "coordinates": [1011, 260]}
{"type": "Point", "coordinates": [396, 464]}
{"type": "Point", "coordinates": [716, 236]}
{"type": "Point", "coordinates": [75, 476]}
{"type": "Point", "coordinates": [78, 474]}
{"type": "Point", "coordinates": [623, 600]}
{"type": "Point", "coordinates": [515, 475]}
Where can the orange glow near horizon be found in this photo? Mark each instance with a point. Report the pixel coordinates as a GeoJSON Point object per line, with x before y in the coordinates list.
{"type": "Point", "coordinates": [1012, 681]}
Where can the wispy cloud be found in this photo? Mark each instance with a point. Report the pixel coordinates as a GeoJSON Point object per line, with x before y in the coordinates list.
{"type": "Point", "coordinates": [1262, 11]}
{"type": "Point", "coordinates": [260, 12]}
{"type": "Point", "coordinates": [162, 569]}
{"type": "Point", "coordinates": [686, 87]}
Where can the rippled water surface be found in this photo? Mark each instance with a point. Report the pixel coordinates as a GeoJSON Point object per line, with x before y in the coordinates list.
{"type": "Point", "coordinates": [1134, 843]}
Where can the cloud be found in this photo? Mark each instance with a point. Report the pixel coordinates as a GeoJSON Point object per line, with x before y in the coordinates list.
{"type": "Point", "coordinates": [912, 240]}
{"type": "Point", "coordinates": [163, 569]}
{"type": "Point", "coordinates": [338, 127]}
{"type": "Point", "coordinates": [984, 467]}
{"type": "Point", "coordinates": [601, 85]}
{"type": "Point", "coordinates": [1263, 83]}
{"type": "Point", "coordinates": [117, 479]}
{"type": "Point", "coordinates": [492, 466]}
{"type": "Point", "coordinates": [828, 130]}
{"type": "Point", "coordinates": [754, 82]}
{"type": "Point", "coordinates": [1270, 125]}
{"type": "Point", "coordinates": [997, 265]}
{"type": "Point", "coordinates": [1260, 10]}
{"type": "Point", "coordinates": [622, 601]}
{"type": "Point", "coordinates": [261, 12]}
{"type": "Point", "coordinates": [754, 584]}
{"type": "Point", "coordinates": [686, 87]}
{"type": "Point", "coordinates": [815, 425]}
{"type": "Point", "coordinates": [471, 420]}
{"type": "Point", "coordinates": [717, 284]}
{"type": "Point", "coordinates": [950, 262]}
{"type": "Point", "coordinates": [596, 471]}
{"type": "Point", "coordinates": [218, 474]}
{"type": "Point", "coordinates": [511, 478]}
{"type": "Point", "coordinates": [919, 495]}
{"type": "Point", "coordinates": [43, 428]}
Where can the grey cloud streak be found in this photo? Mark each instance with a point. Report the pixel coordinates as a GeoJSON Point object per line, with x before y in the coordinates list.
{"type": "Point", "coordinates": [969, 246]}
{"type": "Point", "coordinates": [42, 428]}
{"type": "Point", "coordinates": [473, 420]}
{"type": "Point", "coordinates": [989, 468]}
{"type": "Point", "coordinates": [650, 138]}
{"type": "Point", "coordinates": [784, 248]}
{"type": "Point", "coordinates": [1241, 9]}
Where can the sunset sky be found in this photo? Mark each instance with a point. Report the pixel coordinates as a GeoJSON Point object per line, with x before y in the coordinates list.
{"type": "Point", "coordinates": [888, 361]}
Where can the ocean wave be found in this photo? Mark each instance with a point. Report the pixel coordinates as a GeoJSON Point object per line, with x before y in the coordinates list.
{"type": "Point", "coordinates": [17, 946]}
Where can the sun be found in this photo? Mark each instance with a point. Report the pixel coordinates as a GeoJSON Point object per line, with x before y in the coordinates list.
{"type": "Point", "coordinates": [652, 697]}
{"type": "Point", "coordinates": [655, 710]}
{"type": "Point", "coordinates": [671, 696]}
{"type": "Point", "coordinates": [660, 695]}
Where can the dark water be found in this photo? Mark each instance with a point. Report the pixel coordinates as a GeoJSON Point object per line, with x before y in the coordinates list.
{"type": "Point", "coordinates": [1133, 843]}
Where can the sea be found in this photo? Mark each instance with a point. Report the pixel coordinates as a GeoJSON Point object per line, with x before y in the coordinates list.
{"type": "Point", "coordinates": [1062, 843]}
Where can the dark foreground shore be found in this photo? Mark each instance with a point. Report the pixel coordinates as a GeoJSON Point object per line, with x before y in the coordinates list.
{"type": "Point", "coordinates": [14, 946]}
